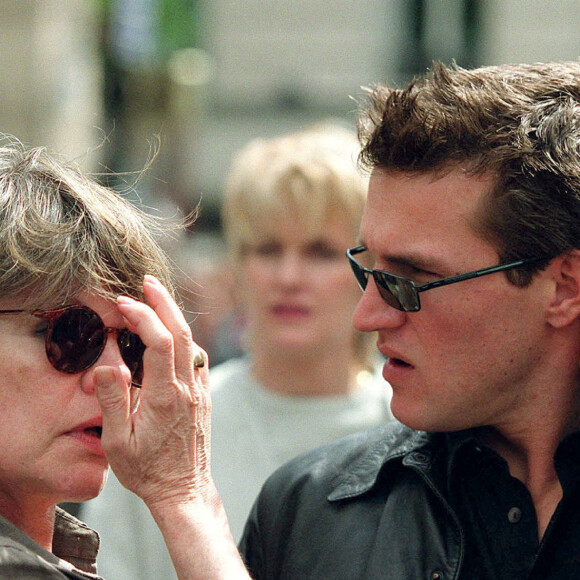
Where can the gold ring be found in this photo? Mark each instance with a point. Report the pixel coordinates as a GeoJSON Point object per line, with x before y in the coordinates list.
{"type": "Point", "coordinates": [198, 360]}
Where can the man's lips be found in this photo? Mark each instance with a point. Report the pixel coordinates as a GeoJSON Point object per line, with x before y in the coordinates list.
{"type": "Point", "coordinates": [393, 357]}
{"type": "Point", "coordinates": [398, 362]}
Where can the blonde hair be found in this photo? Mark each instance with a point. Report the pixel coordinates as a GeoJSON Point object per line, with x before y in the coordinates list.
{"type": "Point", "coordinates": [61, 232]}
{"type": "Point", "coordinates": [311, 173]}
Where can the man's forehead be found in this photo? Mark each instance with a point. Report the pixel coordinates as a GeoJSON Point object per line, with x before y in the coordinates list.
{"type": "Point", "coordinates": [455, 179]}
{"type": "Point", "coordinates": [414, 216]}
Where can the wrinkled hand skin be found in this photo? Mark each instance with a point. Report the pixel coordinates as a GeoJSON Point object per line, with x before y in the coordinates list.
{"type": "Point", "coordinates": [161, 450]}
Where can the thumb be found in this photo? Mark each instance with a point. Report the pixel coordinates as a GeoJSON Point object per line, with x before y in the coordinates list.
{"type": "Point", "coordinates": [114, 399]}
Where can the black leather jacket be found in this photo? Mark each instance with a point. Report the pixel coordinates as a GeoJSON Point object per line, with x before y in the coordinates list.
{"type": "Point", "coordinates": [370, 506]}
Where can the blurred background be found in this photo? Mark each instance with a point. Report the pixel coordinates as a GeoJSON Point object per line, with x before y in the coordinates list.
{"type": "Point", "coordinates": [108, 82]}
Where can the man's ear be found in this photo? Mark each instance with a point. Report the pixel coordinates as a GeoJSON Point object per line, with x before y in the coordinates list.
{"type": "Point", "coordinates": [564, 308]}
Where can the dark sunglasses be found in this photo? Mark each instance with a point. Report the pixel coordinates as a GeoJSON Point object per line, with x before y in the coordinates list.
{"type": "Point", "coordinates": [76, 337]}
{"type": "Point", "coordinates": [403, 294]}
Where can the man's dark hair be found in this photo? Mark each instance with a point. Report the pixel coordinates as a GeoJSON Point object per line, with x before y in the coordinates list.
{"type": "Point", "coordinates": [519, 122]}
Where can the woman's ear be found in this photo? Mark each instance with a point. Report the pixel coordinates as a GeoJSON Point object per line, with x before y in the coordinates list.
{"type": "Point", "coordinates": [564, 308]}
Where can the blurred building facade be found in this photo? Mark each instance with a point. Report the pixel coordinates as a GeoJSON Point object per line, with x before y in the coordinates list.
{"type": "Point", "coordinates": [51, 74]}
{"type": "Point", "coordinates": [204, 76]}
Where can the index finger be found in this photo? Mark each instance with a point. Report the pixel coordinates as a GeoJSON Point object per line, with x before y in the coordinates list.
{"type": "Point", "coordinates": [159, 356]}
{"type": "Point", "coordinates": [172, 317]}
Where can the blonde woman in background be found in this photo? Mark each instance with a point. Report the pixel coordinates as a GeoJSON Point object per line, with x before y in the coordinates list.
{"type": "Point", "coordinates": [292, 207]}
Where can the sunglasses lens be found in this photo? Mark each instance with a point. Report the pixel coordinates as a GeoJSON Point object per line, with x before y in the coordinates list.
{"type": "Point", "coordinates": [359, 274]}
{"type": "Point", "coordinates": [397, 292]}
{"type": "Point", "coordinates": [132, 350]}
{"type": "Point", "coordinates": [77, 338]}
{"type": "Point", "coordinates": [387, 290]}
{"type": "Point", "coordinates": [76, 341]}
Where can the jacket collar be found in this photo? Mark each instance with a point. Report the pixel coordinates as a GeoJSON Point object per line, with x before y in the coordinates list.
{"type": "Point", "coordinates": [394, 441]}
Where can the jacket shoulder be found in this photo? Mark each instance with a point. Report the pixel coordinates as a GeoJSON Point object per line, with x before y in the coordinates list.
{"type": "Point", "coordinates": [303, 499]}
{"type": "Point", "coordinates": [16, 561]}
{"type": "Point", "coordinates": [357, 458]}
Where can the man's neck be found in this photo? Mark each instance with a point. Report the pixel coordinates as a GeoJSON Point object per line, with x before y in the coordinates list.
{"type": "Point", "coordinates": [530, 458]}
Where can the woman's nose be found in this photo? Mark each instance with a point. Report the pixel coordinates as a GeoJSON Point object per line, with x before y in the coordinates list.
{"type": "Point", "coordinates": [290, 268]}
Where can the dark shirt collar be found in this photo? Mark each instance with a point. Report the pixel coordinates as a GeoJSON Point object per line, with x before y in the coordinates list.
{"type": "Point", "coordinates": [397, 442]}
{"type": "Point", "coordinates": [419, 449]}
{"type": "Point", "coordinates": [565, 459]}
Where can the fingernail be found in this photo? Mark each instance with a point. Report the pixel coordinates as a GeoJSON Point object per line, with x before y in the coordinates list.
{"type": "Point", "coordinates": [125, 300]}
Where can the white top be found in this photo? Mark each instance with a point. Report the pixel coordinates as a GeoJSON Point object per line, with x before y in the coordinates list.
{"type": "Point", "coordinates": [254, 431]}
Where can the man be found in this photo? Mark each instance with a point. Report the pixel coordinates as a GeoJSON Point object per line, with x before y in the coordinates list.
{"type": "Point", "coordinates": [470, 265]}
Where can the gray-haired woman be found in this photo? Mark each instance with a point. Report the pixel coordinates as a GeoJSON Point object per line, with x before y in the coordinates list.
{"type": "Point", "coordinates": [97, 366]}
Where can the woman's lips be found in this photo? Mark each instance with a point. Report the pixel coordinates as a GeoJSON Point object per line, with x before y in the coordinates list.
{"type": "Point", "coordinates": [96, 431]}
{"type": "Point", "coordinates": [290, 311]}
{"type": "Point", "coordinates": [89, 435]}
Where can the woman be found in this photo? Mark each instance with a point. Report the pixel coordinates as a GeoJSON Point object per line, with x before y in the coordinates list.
{"type": "Point", "coordinates": [292, 207]}
{"type": "Point", "coordinates": [97, 366]}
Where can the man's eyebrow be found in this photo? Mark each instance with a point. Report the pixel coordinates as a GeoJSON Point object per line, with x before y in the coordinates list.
{"type": "Point", "coordinates": [412, 260]}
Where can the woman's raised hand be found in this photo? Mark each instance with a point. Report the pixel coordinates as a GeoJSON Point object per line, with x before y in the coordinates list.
{"type": "Point", "coordinates": [160, 448]}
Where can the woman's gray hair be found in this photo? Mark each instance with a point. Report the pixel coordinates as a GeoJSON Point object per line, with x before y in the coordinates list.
{"type": "Point", "coordinates": [61, 233]}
